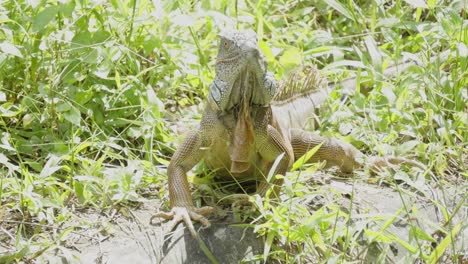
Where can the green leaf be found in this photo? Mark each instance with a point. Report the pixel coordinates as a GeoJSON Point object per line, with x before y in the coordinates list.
{"type": "Point", "coordinates": [407, 146]}
{"type": "Point", "coordinates": [269, 56]}
{"type": "Point", "coordinates": [374, 52]}
{"type": "Point", "coordinates": [28, 121]}
{"type": "Point", "coordinates": [318, 241]}
{"type": "Point", "coordinates": [63, 107]}
{"type": "Point", "coordinates": [440, 249]}
{"type": "Point", "coordinates": [83, 96]}
{"type": "Point", "coordinates": [91, 56]}
{"type": "Point", "coordinates": [8, 109]}
{"type": "Point", "coordinates": [431, 3]}
{"type": "Point", "coordinates": [341, 63]}
{"type": "Point", "coordinates": [82, 38]}
{"type": "Point", "coordinates": [73, 116]}
{"type": "Point", "coordinates": [64, 234]}
{"type": "Point", "coordinates": [100, 36]}
{"type": "Point", "coordinates": [302, 160]}
{"type": "Point", "coordinates": [340, 8]}
{"type": "Point", "coordinates": [416, 3]}
{"type": "Point", "coordinates": [409, 247]}
{"type": "Point", "coordinates": [67, 8]}
{"type": "Point", "coordinates": [268, 244]}
{"type": "Point", "coordinates": [51, 166]}
{"type": "Point", "coordinates": [5, 162]}
{"type": "Point", "coordinates": [419, 233]}
{"type": "Point", "coordinates": [120, 6]}
{"type": "Point", "coordinates": [79, 191]}
{"type": "Point", "coordinates": [291, 58]}
{"type": "Point", "coordinates": [274, 166]}
{"type": "Point", "coordinates": [82, 146]}
{"type": "Point", "coordinates": [13, 257]}
{"type": "Point", "coordinates": [388, 22]}
{"type": "Point", "coordinates": [44, 17]}
{"type": "Point", "coordinates": [320, 51]}
{"type": "Point", "coordinates": [70, 113]}
{"type": "Point", "coordinates": [11, 49]}
{"type": "Point", "coordinates": [378, 236]}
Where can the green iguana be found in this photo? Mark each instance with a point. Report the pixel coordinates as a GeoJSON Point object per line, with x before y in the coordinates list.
{"type": "Point", "coordinates": [249, 121]}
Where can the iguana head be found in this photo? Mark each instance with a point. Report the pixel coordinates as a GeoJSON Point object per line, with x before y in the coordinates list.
{"type": "Point", "coordinates": [237, 50]}
{"type": "Point", "coordinates": [241, 72]}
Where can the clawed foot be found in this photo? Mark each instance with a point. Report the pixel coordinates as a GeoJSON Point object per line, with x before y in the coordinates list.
{"type": "Point", "coordinates": [378, 164]}
{"type": "Point", "coordinates": [237, 200]}
{"type": "Point", "coordinates": [179, 214]}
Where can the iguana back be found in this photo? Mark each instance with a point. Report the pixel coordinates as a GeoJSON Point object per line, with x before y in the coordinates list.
{"type": "Point", "coordinates": [298, 98]}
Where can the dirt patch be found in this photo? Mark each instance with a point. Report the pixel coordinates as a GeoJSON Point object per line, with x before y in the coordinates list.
{"type": "Point", "coordinates": [128, 237]}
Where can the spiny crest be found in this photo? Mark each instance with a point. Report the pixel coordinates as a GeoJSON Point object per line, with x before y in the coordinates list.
{"type": "Point", "coordinates": [238, 36]}
{"type": "Point", "coordinates": [300, 82]}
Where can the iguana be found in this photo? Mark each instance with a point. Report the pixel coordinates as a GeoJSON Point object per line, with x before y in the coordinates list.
{"type": "Point", "coordinates": [249, 121]}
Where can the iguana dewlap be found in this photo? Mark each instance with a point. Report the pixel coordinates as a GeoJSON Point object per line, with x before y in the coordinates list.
{"type": "Point", "coordinates": [249, 121]}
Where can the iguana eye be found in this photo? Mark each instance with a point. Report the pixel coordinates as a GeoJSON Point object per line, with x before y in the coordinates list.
{"type": "Point", "coordinates": [226, 44]}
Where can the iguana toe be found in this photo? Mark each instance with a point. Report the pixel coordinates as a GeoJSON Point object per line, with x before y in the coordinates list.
{"type": "Point", "coordinates": [179, 214]}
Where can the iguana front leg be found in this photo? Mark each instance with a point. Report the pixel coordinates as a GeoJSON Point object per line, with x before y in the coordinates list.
{"type": "Point", "coordinates": [188, 154]}
{"type": "Point", "coordinates": [270, 145]}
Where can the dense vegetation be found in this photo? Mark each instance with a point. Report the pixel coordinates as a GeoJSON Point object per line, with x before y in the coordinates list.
{"type": "Point", "coordinates": [90, 91]}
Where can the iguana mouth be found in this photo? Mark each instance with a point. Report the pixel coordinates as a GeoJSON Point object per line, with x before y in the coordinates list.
{"type": "Point", "coordinates": [228, 59]}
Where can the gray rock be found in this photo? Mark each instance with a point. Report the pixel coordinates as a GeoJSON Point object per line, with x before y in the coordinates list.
{"type": "Point", "coordinates": [228, 244]}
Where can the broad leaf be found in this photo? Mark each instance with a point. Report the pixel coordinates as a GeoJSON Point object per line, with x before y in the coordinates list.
{"type": "Point", "coordinates": [44, 17]}
{"type": "Point", "coordinates": [11, 49]}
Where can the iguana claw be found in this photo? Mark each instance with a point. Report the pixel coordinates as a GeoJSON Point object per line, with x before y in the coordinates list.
{"type": "Point", "coordinates": [179, 214]}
